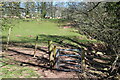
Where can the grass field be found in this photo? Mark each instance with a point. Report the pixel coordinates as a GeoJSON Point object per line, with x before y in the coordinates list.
{"type": "Point", "coordinates": [33, 28]}
{"type": "Point", "coordinates": [26, 31]}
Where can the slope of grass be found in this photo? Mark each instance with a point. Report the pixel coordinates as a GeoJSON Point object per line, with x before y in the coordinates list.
{"type": "Point", "coordinates": [26, 31]}
{"type": "Point", "coordinates": [33, 28]}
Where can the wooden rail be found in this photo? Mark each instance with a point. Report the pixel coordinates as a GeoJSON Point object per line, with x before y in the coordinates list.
{"type": "Point", "coordinates": [55, 61]}
{"type": "Point", "coordinates": [78, 59]}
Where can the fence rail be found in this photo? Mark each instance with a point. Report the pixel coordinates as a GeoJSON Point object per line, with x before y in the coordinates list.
{"type": "Point", "coordinates": [64, 63]}
{"type": "Point", "coordinates": [56, 60]}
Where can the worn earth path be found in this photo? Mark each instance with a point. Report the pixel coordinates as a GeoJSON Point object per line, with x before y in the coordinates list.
{"type": "Point", "coordinates": [97, 65]}
{"type": "Point", "coordinates": [24, 57]}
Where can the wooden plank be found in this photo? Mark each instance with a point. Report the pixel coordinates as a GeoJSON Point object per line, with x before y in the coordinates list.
{"type": "Point", "coordinates": [70, 65]}
{"type": "Point", "coordinates": [57, 53]}
{"type": "Point", "coordinates": [77, 50]}
{"type": "Point", "coordinates": [70, 55]}
{"type": "Point", "coordinates": [78, 59]}
{"type": "Point", "coordinates": [70, 60]}
{"type": "Point", "coordinates": [70, 70]}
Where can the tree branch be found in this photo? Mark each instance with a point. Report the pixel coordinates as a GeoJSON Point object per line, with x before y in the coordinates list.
{"type": "Point", "coordinates": [94, 7]}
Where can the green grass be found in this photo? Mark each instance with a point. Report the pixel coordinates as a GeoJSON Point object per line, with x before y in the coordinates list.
{"type": "Point", "coordinates": [44, 28]}
{"type": "Point", "coordinates": [41, 27]}
{"type": "Point", "coordinates": [34, 28]}
{"type": "Point", "coordinates": [14, 71]}
{"type": "Point", "coordinates": [8, 70]}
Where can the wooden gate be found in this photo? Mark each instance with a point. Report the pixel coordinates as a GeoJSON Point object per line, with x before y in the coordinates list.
{"type": "Point", "coordinates": [69, 62]}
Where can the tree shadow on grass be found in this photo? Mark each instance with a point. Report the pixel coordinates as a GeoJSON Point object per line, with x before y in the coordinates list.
{"type": "Point", "coordinates": [41, 64]}
{"type": "Point", "coordinates": [20, 53]}
{"type": "Point", "coordinates": [62, 41]}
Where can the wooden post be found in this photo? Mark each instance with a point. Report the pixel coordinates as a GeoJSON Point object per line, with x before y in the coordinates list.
{"type": "Point", "coordinates": [35, 45]}
{"type": "Point", "coordinates": [49, 45]}
{"type": "Point", "coordinates": [8, 38]}
{"type": "Point", "coordinates": [54, 51]}
{"type": "Point", "coordinates": [83, 62]}
{"type": "Point", "coordinates": [52, 56]}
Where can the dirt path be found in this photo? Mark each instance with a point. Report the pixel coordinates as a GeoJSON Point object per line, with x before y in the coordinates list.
{"type": "Point", "coordinates": [97, 65]}
{"type": "Point", "coordinates": [25, 57]}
